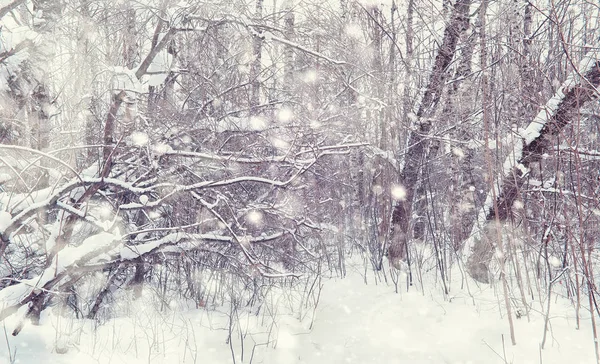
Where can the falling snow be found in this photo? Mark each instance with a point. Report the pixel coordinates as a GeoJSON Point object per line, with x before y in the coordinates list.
{"type": "Point", "coordinates": [255, 217]}
{"type": "Point", "coordinates": [220, 182]}
{"type": "Point", "coordinates": [399, 192]}
{"type": "Point", "coordinates": [139, 138]}
{"type": "Point", "coordinates": [285, 115]}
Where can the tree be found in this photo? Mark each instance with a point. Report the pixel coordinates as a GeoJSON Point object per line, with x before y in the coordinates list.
{"type": "Point", "coordinates": [403, 210]}
{"type": "Point", "coordinates": [206, 177]}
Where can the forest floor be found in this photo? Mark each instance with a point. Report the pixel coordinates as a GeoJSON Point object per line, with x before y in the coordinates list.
{"type": "Point", "coordinates": [354, 323]}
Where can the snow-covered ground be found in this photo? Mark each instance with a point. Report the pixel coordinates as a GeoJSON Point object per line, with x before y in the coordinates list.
{"type": "Point", "coordinates": [353, 323]}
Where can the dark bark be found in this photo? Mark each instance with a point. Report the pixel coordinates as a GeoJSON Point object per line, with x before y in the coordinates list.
{"type": "Point", "coordinates": [401, 216]}
{"type": "Point", "coordinates": [567, 111]}
{"type": "Point", "coordinates": [481, 250]}
{"type": "Point", "coordinates": [103, 293]}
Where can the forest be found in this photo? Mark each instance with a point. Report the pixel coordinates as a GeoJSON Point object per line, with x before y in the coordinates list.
{"type": "Point", "coordinates": [232, 181]}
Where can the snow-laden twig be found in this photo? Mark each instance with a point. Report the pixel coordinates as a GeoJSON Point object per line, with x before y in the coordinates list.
{"type": "Point", "coordinates": [53, 197]}
{"type": "Point", "coordinates": [5, 9]}
{"type": "Point", "coordinates": [131, 252]}
{"type": "Point", "coordinates": [267, 35]}
{"type": "Point", "coordinates": [318, 152]}
{"type": "Point", "coordinates": [270, 36]}
{"type": "Point", "coordinates": [42, 154]}
{"type": "Point", "coordinates": [15, 296]}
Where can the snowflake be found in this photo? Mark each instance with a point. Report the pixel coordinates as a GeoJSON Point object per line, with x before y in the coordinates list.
{"type": "Point", "coordinates": [310, 76]}
{"type": "Point", "coordinates": [254, 217]}
{"type": "Point", "coordinates": [257, 123]}
{"type": "Point", "coordinates": [285, 115]}
{"type": "Point", "coordinates": [399, 192]}
{"type": "Point", "coordinates": [353, 30]}
{"type": "Point", "coordinates": [458, 152]}
{"type": "Point", "coordinates": [5, 219]}
{"type": "Point", "coordinates": [139, 138]}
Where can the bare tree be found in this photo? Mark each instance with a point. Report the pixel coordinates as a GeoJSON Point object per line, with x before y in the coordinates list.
{"type": "Point", "coordinates": [416, 146]}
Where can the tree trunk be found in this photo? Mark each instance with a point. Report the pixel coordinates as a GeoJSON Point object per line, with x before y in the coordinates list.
{"type": "Point", "coordinates": [256, 67]}
{"type": "Point", "coordinates": [401, 216]}
{"type": "Point", "coordinates": [559, 111]}
{"type": "Point", "coordinates": [288, 53]}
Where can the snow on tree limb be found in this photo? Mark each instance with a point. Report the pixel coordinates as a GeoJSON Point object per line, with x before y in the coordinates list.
{"type": "Point", "coordinates": [402, 212]}
{"type": "Point", "coordinates": [15, 296]}
{"type": "Point", "coordinates": [317, 152]}
{"type": "Point", "coordinates": [131, 252]}
{"type": "Point", "coordinates": [40, 153]}
{"type": "Point", "coordinates": [153, 52]}
{"type": "Point", "coordinates": [559, 111]}
{"type": "Point", "coordinates": [75, 261]}
{"type": "Point", "coordinates": [253, 28]}
{"type": "Point", "coordinates": [22, 207]}
{"type": "Point", "coordinates": [8, 7]}
{"type": "Point", "coordinates": [301, 48]}
{"type": "Point", "coordinates": [51, 198]}
{"type": "Point", "coordinates": [11, 52]}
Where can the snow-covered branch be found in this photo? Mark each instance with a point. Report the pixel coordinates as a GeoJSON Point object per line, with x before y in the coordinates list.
{"type": "Point", "coordinates": [257, 30]}
{"type": "Point", "coordinates": [25, 291]}
{"type": "Point", "coordinates": [8, 7]}
{"type": "Point", "coordinates": [559, 111]}
{"type": "Point", "coordinates": [295, 158]}
{"type": "Point", "coordinates": [181, 242]}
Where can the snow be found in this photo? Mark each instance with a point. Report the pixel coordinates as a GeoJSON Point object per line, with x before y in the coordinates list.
{"type": "Point", "coordinates": [161, 149]}
{"type": "Point", "coordinates": [5, 220]}
{"type": "Point", "coordinates": [524, 170]}
{"type": "Point", "coordinates": [143, 199]}
{"type": "Point", "coordinates": [255, 217]}
{"type": "Point", "coordinates": [528, 136]}
{"type": "Point", "coordinates": [253, 123]}
{"type": "Point", "coordinates": [124, 79]}
{"type": "Point", "coordinates": [399, 192]}
{"type": "Point", "coordinates": [132, 252]}
{"type": "Point", "coordinates": [66, 259]}
{"type": "Point", "coordinates": [458, 152]}
{"type": "Point", "coordinates": [13, 36]}
{"type": "Point", "coordinates": [549, 110]}
{"type": "Point", "coordinates": [257, 123]}
{"type": "Point", "coordinates": [378, 190]}
{"type": "Point", "coordinates": [354, 30]}
{"type": "Point", "coordinates": [70, 255]}
{"type": "Point", "coordinates": [158, 71]}
{"type": "Point", "coordinates": [179, 242]}
{"type": "Point", "coordinates": [139, 138]}
{"type": "Point", "coordinates": [310, 76]}
{"type": "Point", "coordinates": [279, 143]}
{"type": "Point", "coordinates": [285, 115]}
{"type": "Point", "coordinates": [358, 319]}
{"type": "Point", "coordinates": [412, 117]}
{"type": "Point", "coordinates": [18, 202]}
{"type": "Point", "coordinates": [353, 323]}
{"type": "Point", "coordinates": [555, 262]}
